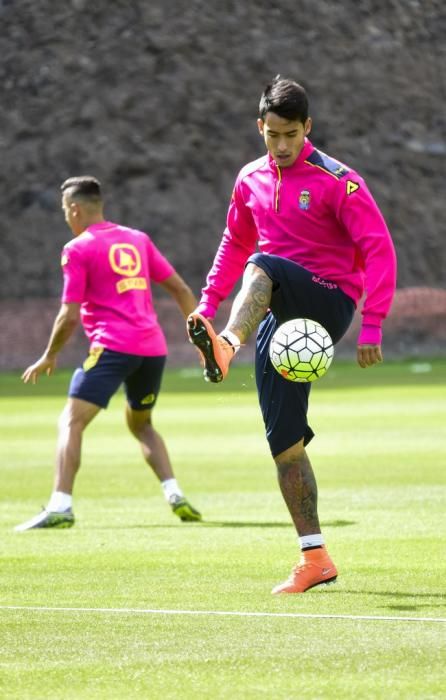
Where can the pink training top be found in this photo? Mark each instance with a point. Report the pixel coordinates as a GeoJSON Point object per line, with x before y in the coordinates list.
{"type": "Point", "coordinates": [319, 213]}
{"type": "Point", "coordinates": [108, 270]}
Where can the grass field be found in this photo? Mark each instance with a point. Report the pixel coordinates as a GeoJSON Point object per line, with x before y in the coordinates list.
{"type": "Point", "coordinates": [132, 603]}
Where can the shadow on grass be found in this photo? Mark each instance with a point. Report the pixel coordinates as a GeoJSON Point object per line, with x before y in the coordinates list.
{"type": "Point", "coordinates": [402, 607]}
{"type": "Point", "coordinates": [217, 523]}
{"type": "Point", "coordinates": [203, 523]}
{"type": "Point", "coordinates": [233, 523]}
{"type": "Point", "coordinates": [412, 608]}
{"type": "Point", "coordinates": [236, 523]}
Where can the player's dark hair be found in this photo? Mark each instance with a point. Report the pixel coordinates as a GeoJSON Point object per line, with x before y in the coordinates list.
{"type": "Point", "coordinates": [85, 187]}
{"type": "Point", "coordinates": [285, 98]}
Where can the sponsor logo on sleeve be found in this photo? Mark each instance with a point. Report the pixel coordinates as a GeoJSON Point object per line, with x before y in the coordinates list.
{"type": "Point", "coordinates": [352, 187]}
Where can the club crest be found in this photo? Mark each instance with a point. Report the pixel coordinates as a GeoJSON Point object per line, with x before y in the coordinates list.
{"type": "Point", "coordinates": [304, 200]}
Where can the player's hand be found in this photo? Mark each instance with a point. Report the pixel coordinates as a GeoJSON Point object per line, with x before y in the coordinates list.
{"type": "Point", "coordinates": [369, 355]}
{"type": "Point", "coordinates": [43, 364]}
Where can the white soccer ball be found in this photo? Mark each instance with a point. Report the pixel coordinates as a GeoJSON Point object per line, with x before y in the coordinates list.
{"type": "Point", "coordinates": [301, 350]}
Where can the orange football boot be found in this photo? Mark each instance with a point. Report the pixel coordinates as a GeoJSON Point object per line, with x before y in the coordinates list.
{"type": "Point", "coordinates": [216, 352]}
{"type": "Point", "coordinates": [315, 568]}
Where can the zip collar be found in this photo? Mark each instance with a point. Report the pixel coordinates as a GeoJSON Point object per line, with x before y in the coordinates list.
{"type": "Point", "coordinates": [303, 155]}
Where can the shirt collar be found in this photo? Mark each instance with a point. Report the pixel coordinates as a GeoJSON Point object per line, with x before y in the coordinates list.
{"type": "Point", "coordinates": [303, 155]}
{"type": "Point", "coordinates": [100, 226]}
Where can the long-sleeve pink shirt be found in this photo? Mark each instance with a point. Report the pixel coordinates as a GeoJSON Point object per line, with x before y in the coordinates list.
{"type": "Point", "coordinates": [318, 213]}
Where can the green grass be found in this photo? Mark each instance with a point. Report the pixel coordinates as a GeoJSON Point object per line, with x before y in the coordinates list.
{"type": "Point", "coordinates": [379, 455]}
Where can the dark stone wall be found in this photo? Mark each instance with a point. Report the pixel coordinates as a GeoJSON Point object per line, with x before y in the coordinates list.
{"type": "Point", "coordinates": [159, 99]}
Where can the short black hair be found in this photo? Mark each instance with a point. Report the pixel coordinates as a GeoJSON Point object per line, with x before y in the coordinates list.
{"type": "Point", "coordinates": [286, 98]}
{"type": "Point", "coordinates": [84, 187]}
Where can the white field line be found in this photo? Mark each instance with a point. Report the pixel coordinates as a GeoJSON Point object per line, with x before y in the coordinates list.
{"type": "Point", "coordinates": [221, 613]}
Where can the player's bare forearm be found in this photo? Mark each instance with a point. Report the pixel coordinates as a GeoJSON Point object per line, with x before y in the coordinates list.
{"type": "Point", "coordinates": [182, 294]}
{"type": "Point", "coordinates": [63, 327]}
{"type": "Point", "coordinates": [369, 355]}
{"type": "Point", "coordinates": [187, 302]}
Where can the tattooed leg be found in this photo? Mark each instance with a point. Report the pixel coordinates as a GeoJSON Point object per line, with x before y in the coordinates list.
{"type": "Point", "coordinates": [251, 303]}
{"type": "Point", "coordinates": [298, 485]}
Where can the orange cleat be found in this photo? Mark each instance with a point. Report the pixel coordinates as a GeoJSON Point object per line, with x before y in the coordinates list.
{"type": "Point", "coordinates": [216, 352]}
{"type": "Point", "coordinates": [315, 568]}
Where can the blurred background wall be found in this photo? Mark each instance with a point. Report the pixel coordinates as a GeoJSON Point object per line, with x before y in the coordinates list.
{"type": "Point", "coordinates": [159, 101]}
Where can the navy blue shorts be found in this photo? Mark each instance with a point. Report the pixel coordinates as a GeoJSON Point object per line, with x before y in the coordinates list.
{"type": "Point", "coordinates": [297, 293]}
{"type": "Point", "coordinates": [104, 371]}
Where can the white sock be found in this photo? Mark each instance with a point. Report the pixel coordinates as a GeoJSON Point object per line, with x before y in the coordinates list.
{"type": "Point", "coordinates": [59, 502]}
{"type": "Point", "coordinates": [309, 541]}
{"type": "Point", "coordinates": [233, 339]}
{"type": "Point", "coordinates": [171, 488]}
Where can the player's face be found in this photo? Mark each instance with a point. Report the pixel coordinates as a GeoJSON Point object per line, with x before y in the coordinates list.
{"type": "Point", "coordinates": [284, 139]}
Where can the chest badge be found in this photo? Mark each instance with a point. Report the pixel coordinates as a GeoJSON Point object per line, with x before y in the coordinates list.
{"type": "Point", "coordinates": [304, 200]}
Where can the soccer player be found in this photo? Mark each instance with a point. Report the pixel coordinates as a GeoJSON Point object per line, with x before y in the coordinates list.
{"type": "Point", "coordinates": [323, 242]}
{"type": "Point", "coordinates": [108, 270]}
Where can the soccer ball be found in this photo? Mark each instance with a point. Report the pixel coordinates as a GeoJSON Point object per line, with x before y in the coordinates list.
{"type": "Point", "coordinates": [301, 350]}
